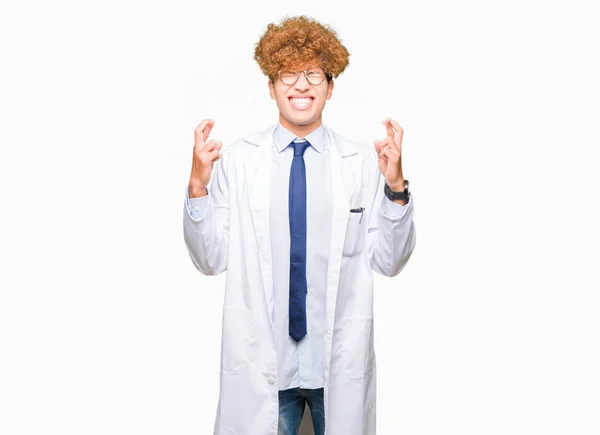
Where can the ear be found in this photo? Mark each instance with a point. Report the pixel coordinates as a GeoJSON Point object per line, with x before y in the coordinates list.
{"type": "Point", "coordinates": [330, 89]}
{"type": "Point", "coordinates": [271, 89]}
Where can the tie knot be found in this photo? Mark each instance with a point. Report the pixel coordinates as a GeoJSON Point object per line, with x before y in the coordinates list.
{"type": "Point", "coordinates": [300, 147]}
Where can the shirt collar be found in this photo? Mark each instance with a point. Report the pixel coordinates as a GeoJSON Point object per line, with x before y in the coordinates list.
{"type": "Point", "coordinates": [283, 137]}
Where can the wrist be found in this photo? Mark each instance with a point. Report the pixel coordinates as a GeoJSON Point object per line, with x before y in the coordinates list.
{"type": "Point", "coordinates": [197, 191]}
{"type": "Point", "coordinates": [397, 186]}
{"type": "Point", "coordinates": [398, 192]}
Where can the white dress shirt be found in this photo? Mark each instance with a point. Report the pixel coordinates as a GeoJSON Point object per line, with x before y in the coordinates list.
{"type": "Point", "coordinates": [300, 363]}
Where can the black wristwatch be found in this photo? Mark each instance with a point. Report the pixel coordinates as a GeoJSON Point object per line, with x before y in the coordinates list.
{"type": "Point", "coordinates": [404, 195]}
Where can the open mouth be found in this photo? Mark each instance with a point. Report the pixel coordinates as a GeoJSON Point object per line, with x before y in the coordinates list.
{"type": "Point", "coordinates": [301, 103]}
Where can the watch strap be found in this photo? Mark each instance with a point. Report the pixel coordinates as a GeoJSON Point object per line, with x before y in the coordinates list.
{"type": "Point", "coordinates": [402, 195]}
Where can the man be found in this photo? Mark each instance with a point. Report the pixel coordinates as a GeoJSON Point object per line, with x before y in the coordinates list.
{"type": "Point", "coordinates": [299, 217]}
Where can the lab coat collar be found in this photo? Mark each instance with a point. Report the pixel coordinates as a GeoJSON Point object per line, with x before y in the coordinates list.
{"type": "Point", "coordinates": [344, 147]}
{"type": "Point", "coordinates": [284, 137]}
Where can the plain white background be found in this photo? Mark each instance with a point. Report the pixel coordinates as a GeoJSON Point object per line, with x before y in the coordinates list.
{"type": "Point", "coordinates": [107, 328]}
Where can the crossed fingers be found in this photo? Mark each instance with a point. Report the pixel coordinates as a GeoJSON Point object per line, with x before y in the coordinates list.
{"type": "Point", "coordinates": [391, 146]}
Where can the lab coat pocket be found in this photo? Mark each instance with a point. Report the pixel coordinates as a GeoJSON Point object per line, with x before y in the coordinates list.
{"type": "Point", "coordinates": [355, 237]}
{"type": "Point", "coordinates": [357, 346]}
{"type": "Point", "coordinates": [237, 337]}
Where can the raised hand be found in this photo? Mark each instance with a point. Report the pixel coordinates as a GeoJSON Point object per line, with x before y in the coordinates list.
{"type": "Point", "coordinates": [205, 155]}
{"type": "Point", "coordinates": [390, 155]}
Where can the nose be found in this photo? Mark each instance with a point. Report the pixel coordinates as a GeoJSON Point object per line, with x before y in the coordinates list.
{"type": "Point", "coordinates": [302, 82]}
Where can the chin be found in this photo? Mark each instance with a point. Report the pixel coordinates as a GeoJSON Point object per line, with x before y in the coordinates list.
{"type": "Point", "coordinates": [302, 120]}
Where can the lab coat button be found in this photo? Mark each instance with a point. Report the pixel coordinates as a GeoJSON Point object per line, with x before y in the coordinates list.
{"type": "Point", "coordinates": [271, 381]}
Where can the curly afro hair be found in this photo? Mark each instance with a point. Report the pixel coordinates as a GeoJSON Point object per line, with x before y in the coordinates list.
{"type": "Point", "coordinates": [298, 40]}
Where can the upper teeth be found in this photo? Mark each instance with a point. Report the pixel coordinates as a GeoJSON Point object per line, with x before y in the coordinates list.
{"type": "Point", "coordinates": [301, 100]}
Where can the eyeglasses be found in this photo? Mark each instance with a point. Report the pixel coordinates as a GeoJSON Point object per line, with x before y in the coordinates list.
{"type": "Point", "coordinates": [314, 75]}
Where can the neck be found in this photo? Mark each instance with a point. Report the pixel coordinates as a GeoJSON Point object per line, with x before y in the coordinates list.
{"type": "Point", "coordinates": [300, 130]}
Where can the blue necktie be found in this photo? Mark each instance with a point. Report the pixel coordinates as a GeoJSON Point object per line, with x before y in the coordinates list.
{"type": "Point", "coordinates": [297, 214]}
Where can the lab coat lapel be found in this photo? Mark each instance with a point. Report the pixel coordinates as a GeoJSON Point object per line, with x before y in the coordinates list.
{"type": "Point", "coordinates": [257, 167]}
{"type": "Point", "coordinates": [346, 180]}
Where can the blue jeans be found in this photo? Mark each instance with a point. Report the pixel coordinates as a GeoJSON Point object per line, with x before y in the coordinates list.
{"type": "Point", "coordinates": [291, 410]}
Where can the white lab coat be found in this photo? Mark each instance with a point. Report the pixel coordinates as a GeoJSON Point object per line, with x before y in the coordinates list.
{"type": "Point", "coordinates": [234, 235]}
